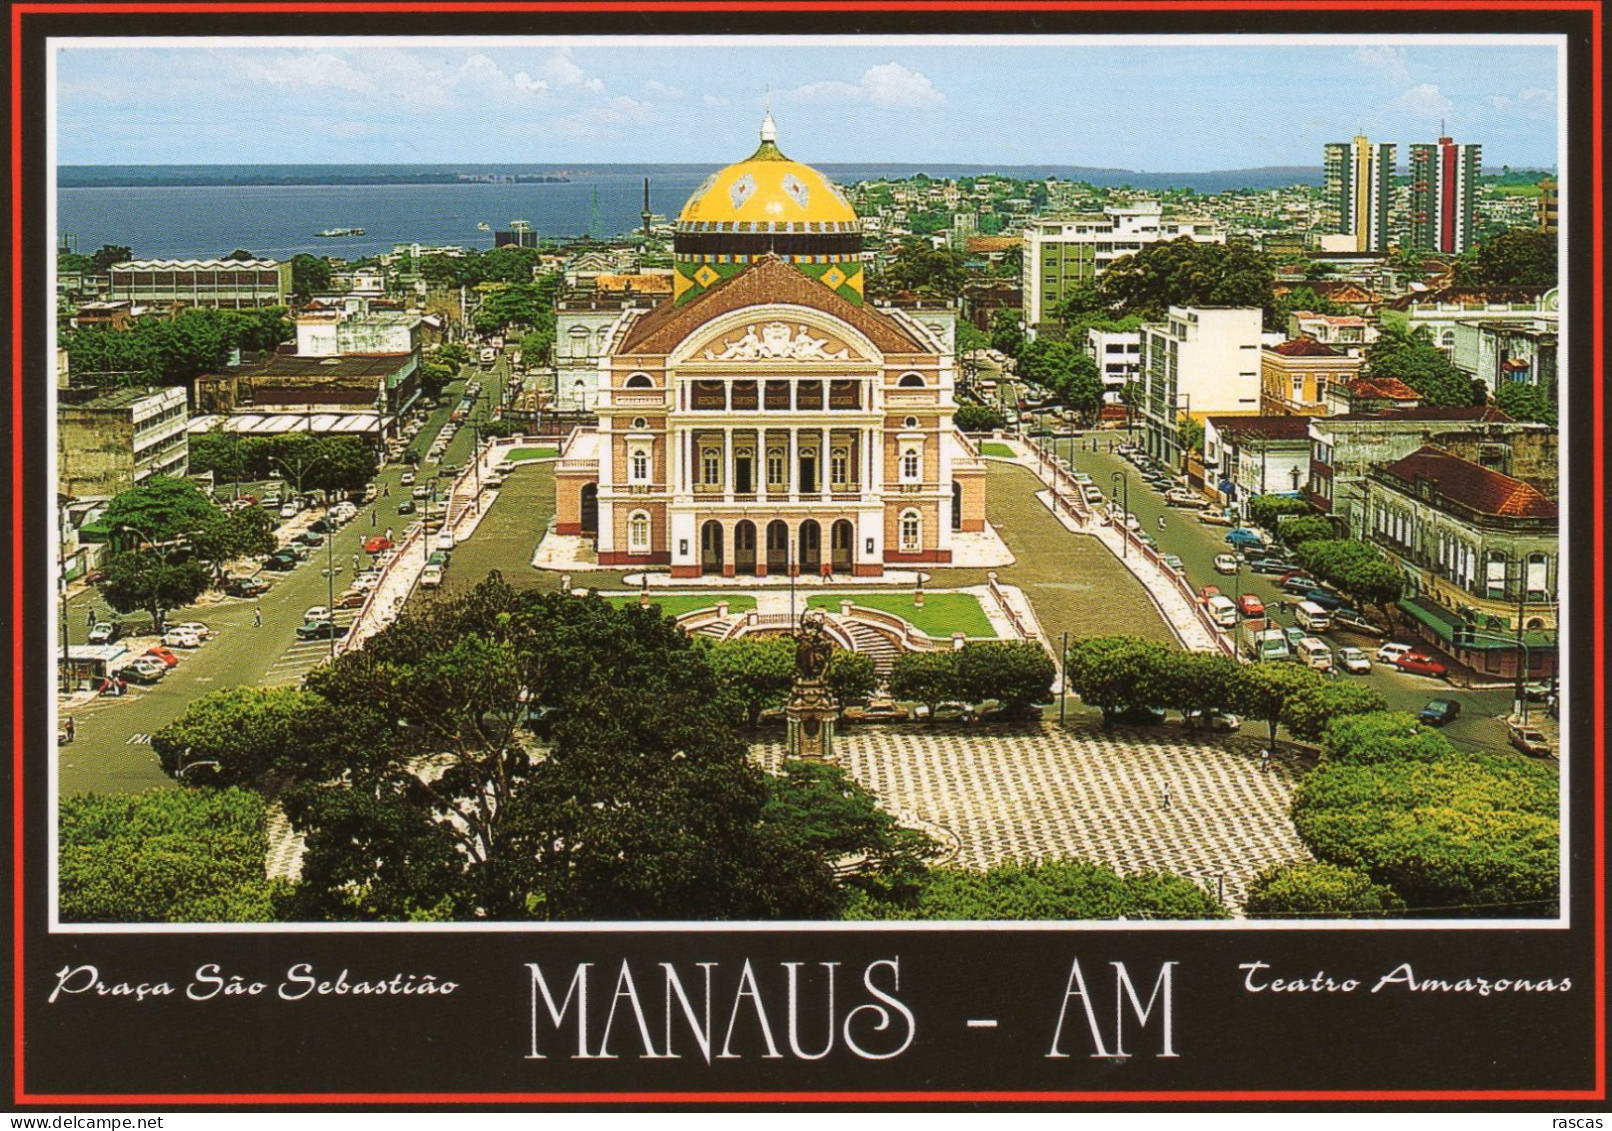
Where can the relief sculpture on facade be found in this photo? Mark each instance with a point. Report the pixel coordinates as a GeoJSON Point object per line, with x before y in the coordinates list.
{"type": "Point", "coordinates": [778, 340]}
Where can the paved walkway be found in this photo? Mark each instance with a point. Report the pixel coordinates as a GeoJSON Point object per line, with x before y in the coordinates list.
{"type": "Point", "coordinates": [1043, 793]}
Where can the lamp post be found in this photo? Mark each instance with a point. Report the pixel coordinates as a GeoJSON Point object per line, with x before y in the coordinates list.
{"type": "Point", "coordinates": [1118, 478]}
{"type": "Point", "coordinates": [61, 569]}
{"type": "Point", "coordinates": [1063, 676]}
{"type": "Point", "coordinates": [301, 470]}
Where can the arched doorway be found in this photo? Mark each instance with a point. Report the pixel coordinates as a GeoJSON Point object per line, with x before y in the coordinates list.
{"type": "Point", "coordinates": [839, 544]}
{"type": "Point", "coordinates": [744, 547]}
{"type": "Point", "coordinates": [811, 546]}
{"type": "Point", "coordinates": [590, 509]}
{"type": "Point", "coordinates": [777, 546]}
{"type": "Point", "coordinates": [957, 505]}
{"type": "Point", "coordinates": [711, 547]}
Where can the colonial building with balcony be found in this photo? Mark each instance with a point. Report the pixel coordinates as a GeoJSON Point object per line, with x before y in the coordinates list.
{"type": "Point", "coordinates": [1480, 557]}
{"type": "Point", "coordinates": [767, 420]}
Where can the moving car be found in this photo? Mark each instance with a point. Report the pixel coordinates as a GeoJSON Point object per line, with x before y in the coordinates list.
{"type": "Point", "coordinates": [1353, 660]}
{"type": "Point", "coordinates": [1269, 566]}
{"type": "Point", "coordinates": [406, 507]}
{"type": "Point", "coordinates": [1181, 497]}
{"type": "Point", "coordinates": [420, 493]}
{"type": "Point", "coordinates": [320, 630]}
{"type": "Point", "coordinates": [1352, 620]}
{"type": "Point", "coordinates": [1227, 563]}
{"type": "Point", "coordinates": [1420, 663]}
{"type": "Point", "coordinates": [289, 511]}
{"type": "Point", "coordinates": [1313, 653]}
{"type": "Point", "coordinates": [1250, 605]}
{"type": "Point", "coordinates": [105, 631]}
{"type": "Point", "coordinates": [407, 479]}
{"type": "Point", "coordinates": [1437, 712]}
{"type": "Point", "coordinates": [1528, 739]}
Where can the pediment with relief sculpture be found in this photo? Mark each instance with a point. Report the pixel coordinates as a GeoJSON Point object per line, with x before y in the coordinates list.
{"type": "Point", "coordinates": [775, 339]}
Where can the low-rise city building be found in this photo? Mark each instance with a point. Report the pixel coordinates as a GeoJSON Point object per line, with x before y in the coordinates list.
{"type": "Point", "coordinates": [227, 284]}
{"type": "Point", "coordinates": [107, 442]}
{"type": "Point", "coordinates": [1501, 353]}
{"type": "Point", "coordinates": [1244, 456]}
{"type": "Point", "coordinates": [1439, 312]}
{"type": "Point", "coordinates": [1200, 360]}
{"type": "Point", "coordinates": [1298, 375]}
{"type": "Point", "coordinates": [1118, 354]}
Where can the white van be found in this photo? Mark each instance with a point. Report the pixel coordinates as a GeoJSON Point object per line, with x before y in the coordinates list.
{"type": "Point", "coordinates": [1314, 654]}
{"type": "Point", "coordinates": [1313, 617]}
{"type": "Point", "coordinates": [1222, 611]}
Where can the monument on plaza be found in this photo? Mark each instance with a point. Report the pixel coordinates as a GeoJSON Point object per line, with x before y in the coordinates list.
{"type": "Point", "coordinates": [812, 712]}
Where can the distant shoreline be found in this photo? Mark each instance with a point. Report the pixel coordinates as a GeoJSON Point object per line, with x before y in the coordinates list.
{"type": "Point", "coordinates": [261, 179]}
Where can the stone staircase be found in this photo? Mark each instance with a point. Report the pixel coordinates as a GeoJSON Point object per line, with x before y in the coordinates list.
{"type": "Point", "coordinates": [872, 643]}
{"type": "Point", "coordinates": [717, 629]}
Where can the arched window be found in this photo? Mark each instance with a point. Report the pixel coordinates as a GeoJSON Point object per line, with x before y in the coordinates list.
{"type": "Point", "coordinates": [638, 533]}
{"type": "Point", "coordinates": [640, 381]}
{"type": "Point", "coordinates": [1447, 339]}
{"type": "Point", "coordinates": [911, 469]}
{"type": "Point", "coordinates": [911, 381]}
{"type": "Point", "coordinates": [910, 423]}
{"type": "Point", "coordinates": [911, 532]}
{"type": "Point", "coordinates": [638, 469]}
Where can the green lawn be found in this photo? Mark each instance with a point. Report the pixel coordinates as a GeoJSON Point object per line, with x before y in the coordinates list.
{"type": "Point", "coordinates": [997, 448]}
{"type": "Point", "coordinates": [520, 454]}
{"type": "Point", "coordinates": [941, 615]}
{"type": "Point", "coordinates": [676, 604]}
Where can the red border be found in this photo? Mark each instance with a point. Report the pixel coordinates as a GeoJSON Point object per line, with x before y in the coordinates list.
{"type": "Point", "coordinates": [18, 374]}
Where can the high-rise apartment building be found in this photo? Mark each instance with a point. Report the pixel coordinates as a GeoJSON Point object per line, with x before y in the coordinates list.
{"type": "Point", "coordinates": [1359, 191]}
{"type": "Point", "coordinates": [1444, 191]}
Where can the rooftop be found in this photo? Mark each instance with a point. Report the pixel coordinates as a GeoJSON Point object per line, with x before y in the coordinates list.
{"type": "Point", "coordinates": [1471, 485]}
{"type": "Point", "coordinates": [126, 398]}
{"type": "Point", "coordinates": [1284, 427]}
{"type": "Point", "coordinates": [1468, 296]}
{"type": "Point", "coordinates": [193, 264]}
{"type": "Point", "coordinates": [1464, 414]}
{"type": "Point", "coordinates": [1305, 347]}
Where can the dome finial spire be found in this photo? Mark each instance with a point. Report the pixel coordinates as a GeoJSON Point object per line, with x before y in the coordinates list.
{"type": "Point", "coordinates": [769, 131]}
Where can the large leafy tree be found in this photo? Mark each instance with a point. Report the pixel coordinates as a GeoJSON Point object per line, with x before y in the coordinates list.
{"type": "Point", "coordinates": [1521, 257]}
{"type": "Point", "coordinates": [851, 676]}
{"type": "Point", "coordinates": [1198, 681]}
{"type": "Point", "coordinates": [1184, 272]}
{"type": "Point", "coordinates": [1522, 400]}
{"type": "Point", "coordinates": [310, 274]}
{"type": "Point", "coordinates": [1006, 335]}
{"type": "Point", "coordinates": [930, 678]}
{"type": "Point", "coordinates": [1056, 889]}
{"type": "Point", "coordinates": [1268, 510]}
{"type": "Point", "coordinates": [923, 269]}
{"type": "Point", "coordinates": [1309, 713]}
{"type": "Point", "coordinates": [160, 508]}
{"type": "Point", "coordinates": [1018, 673]}
{"type": "Point", "coordinates": [756, 670]}
{"type": "Point", "coordinates": [152, 581]}
{"type": "Point", "coordinates": [243, 732]}
{"type": "Point", "coordinates": [166, 856]}
{"type": "Point", "coordinates": [1268, 690]}
{"type": "Point", "coordinates": [1116, 672]}
{"type": "Point", "coordinates": [1413, 359]}
{"type": "Point", "coordinates": [107, 254]}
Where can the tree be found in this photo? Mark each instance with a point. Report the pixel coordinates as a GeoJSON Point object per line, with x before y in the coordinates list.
{"type": "Point", "coordinates": [1313, 890]}
{"type": "Point", "coordinates": [1309, 713]}
{"type": "Point", "coordinates": [923, 269]}
{"type": "Point", "coordinates": [644, 805]}
{"type": "Point", "coordinates": [971, 338]}
{"type": "Point", "coordinates": [1297, 531]}
{"type": "Point", "coordinates": [1267, 690]}
{"type": "Point", "coordinates": [851, 676]}
{"type": "Point", "coordinates": [1198, 681]}
{"type": "Point", "coordinates": [1522, 257]}
{"type": "Point", "coordinates": [165, 856]}
{"type": "Point", "coordinates": [310, 275]}
{"type": "Point", "coordinates": [535, 348]}
{"type": "Point", "coordinates": [1057, 889]}
{"type": "Point", "coordinates": [435, 373]}
{"type": "Point", "coordinates": [243, 731]}
{"type": "Point", "coordinates": [1189, 433]}
{"type": "Point", "coordinates": [1018, 673]}
{"type": "Point", "coordinates": [108, 254]}
{"type": "Point", "coordinates": [1083, 299]}
{"type": "Point", "coordinates": [862, 853]}
{"type": "Point", "coordinates": [1006, 336]}
{"type": "Point", "coordinates": [240, 253]}
{"type": "Point", "coordinates": [1116, 672]}
{"type": "Point", "coordinates": [160, 508]}
{"type": "Point", "coordinates": [1267, 511]}
{"type": "Point", "coordinates": [1355, 566]}
{"type": "Point", "coordinates": [1413, 359]}
{"type": "Point", "coordinates": [1382, 737]}
{"type": "Point", "coordinates": [1522, 400]}
{"type": "Point", "coordinates": [930, 678]}
{"type": "Point", "coordinates": [147, 580]}
{"type": "Point", "coordinates": [756, 670]}
{"type": "Point", "coordinates": [978, 418]}
{"type": "Point", "coordinates": [1183, 272]}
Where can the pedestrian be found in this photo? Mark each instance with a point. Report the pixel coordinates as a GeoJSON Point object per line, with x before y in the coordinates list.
{"type": "Point", "coordinates": [71, 728]}
{"type": "Point", "coordinates": [828, 571]}
{"type": "Point", "coordinates": [355, 563]}
{"type": "Point", "coordinates": [1161, 522]}
{"type": "Point", "coordinates": [386, 491]}
{"type": "Point", "coordinates": [1166, 795]}
{"type": "Point", "coordinates": [1265, 760]}
{"type": "Point", "coordinates": [374, 518]}
{"type": "Point", "coordinates": [388, 533]}
{"type": "Point", "coordinates": [90, 620]}
{"type": "Point", "coordinates": [257, 616]}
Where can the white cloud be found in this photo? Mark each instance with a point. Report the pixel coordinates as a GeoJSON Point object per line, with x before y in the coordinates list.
{"type": "Point", "coordinates": [1533, 98]}
{"type": "Point", "coordinates": [560, 70]}
{"type": "Point", "coordinates": [714, 100]}
{"type": "Point", "coordinates": [1423, 100]}
{"type": "Point", "coordinates": [1387, 61]}
{"type": "Point", "coordinates": [307, 71]}
{"type": "Point", "coordinates": [654, 88]}
{"type": "Point", "coordinates": [888, 85]}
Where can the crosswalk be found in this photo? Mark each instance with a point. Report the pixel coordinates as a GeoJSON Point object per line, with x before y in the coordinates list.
{"type": "Point", "coordinates": [303, 656]}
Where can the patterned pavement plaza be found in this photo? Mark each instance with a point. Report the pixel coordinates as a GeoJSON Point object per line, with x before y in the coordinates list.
{"type": "Point", "coordinates": [1042, 793]}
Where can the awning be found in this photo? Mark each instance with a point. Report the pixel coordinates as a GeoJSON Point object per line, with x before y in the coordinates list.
{"type": "Point", "coordinates": [1444, 622]}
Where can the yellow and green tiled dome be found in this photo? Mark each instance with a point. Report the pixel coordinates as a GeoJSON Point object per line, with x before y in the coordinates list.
{"type": "Point", "coordinates": [767, 205]}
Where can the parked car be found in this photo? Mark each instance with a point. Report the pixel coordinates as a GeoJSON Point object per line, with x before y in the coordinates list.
{"type": "Point", "coordinates": [280, 561]}
{"type": "Point", "coordinates": [310, 538]}
{"type": "Point", "coordinates": [1221, 721]}
{"type": "Point", "coordinates": [1437, 712]}
{"type": "Point", "coordinates": [317, 612]}
{"type": "Point", "coordinates": [1138, 715]}
{"type": "Point", "coordinates": [1420, 663]}
{"type": "Point", "coordinates": [443, 540]}
{"type": "Point", "coordinates": [1354, 621]}
{"type": "Point", "coordinates": [326, 525]}
{"type": "Point", "coordinates": [1172, 561]}
{"type": "Point", "coordinates": [1390, 653]}
{"type": "Point", "coordinates": [1181, 497]}
{"type": "Point", "coordinates": [949, 712]}
{"type": "Point", "coordinates": [1245, 539]}
{"type": "Point", "coordinates": [1297, 586]}
{"type": "Point", "coordinates": [1250, 605]}
{"type": "Point", "coordinates": [1331, 602]}
{"type": "Point", "coordinates": [420, 493]}
{"type": "Point", "coordinates": [406, 507]}
{"type": "Point", "coordinates": [197, 627]}
{"type": "Point", "coordinates": [168, 659]}
{"type": "Point", "coordinates": [1269, 566]}
{"type": "Point", "coordinates": [878, 710]}
{"type": "Point", "coordinates": [1207, 592]}
{"type": "Point", "coordinates": [377, 544]}
{"type": "Point", "coordinates": [144, 669]}
{"type": "Point", "coordinates": [1353, 660]}
{"type": "Point", "coordinates": [350, 598]}
{"type": "Point", "coordinates": [105, 632]}
{"type": "Point", "coordinates": [289, 511]}
{"type": "Point", "coordinates": [181, 638]}
{"type": "Point", "coordinates": [439, 558]}
{"type": "Point", "coordinates": [1293, 574]}
{"type": "Point", "coordinates": [1528, 739]}
{"type": "Point", "coordinates": [320, 630]}
{"type": "Point", "coordinates": [407, 479]}
{"type": "Point", "coordinates": [1227, 563]}
{"type": "Point", "coordinates": [431, 577]}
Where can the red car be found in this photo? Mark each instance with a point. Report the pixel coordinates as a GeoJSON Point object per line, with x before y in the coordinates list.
{"type": "Point", "coordinates": [378, 544]}
{"type": "Point", "coordinates": [1251, 605]}
{"type": "Point", "coordinates": [163, 654]}
{"type": "Point", "coordinates": [1207, 592]}
{"type": "Point", "coordinates": [1420, 663]}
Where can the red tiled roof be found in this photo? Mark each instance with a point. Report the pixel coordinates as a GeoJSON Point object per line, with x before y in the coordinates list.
{"type": "Point", "coordinates": [1305, 347]}
{"type": "Point", "coordinates": [1466, 296]}
{"type": "Point", "coordinates": [1382, 388]}
{"type": "Point", "coordinates": [1472, 485]}
{"type": "Point", "coordinates": [770, 280]}
{"type": "Point", "coordinates": [1262, 427]}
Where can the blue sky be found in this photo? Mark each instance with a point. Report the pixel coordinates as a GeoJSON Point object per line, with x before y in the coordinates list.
{"type": "Point", "coordinates": [1145, 107]}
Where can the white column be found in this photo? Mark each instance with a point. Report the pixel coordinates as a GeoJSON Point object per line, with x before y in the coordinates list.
{"type": "Point", "coordinates": [727, 462]}
{"type": "Point", "coordinates": [792, 474]}
{"type": "Point", "coordinates": [823, 453]}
